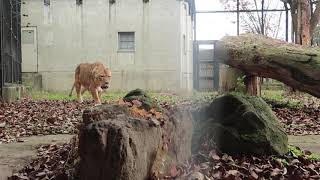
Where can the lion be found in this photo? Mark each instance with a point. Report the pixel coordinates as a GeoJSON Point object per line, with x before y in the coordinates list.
{"type": "Point", "coordinates": [94, 77]}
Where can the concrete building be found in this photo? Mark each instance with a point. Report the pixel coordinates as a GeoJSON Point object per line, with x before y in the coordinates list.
{"type": "Point", "coordinates": [146, 43]}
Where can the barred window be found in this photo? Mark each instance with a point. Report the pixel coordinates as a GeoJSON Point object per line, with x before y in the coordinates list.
{"type": "Point", "coordinates": [126, 41]}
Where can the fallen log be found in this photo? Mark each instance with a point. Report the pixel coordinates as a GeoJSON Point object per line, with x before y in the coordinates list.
{"type": "Point", "coordinates": [296, 66]}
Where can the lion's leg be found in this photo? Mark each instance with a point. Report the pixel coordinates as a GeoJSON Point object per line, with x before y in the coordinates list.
{"type": "Point", "coordinates": [95, 95]}
{"type": "Point", "coordinates": [78, 89]}
{"type": "Point", "coordinates": [99, 92]}
{"type": "Point", "coordinates": [83, 90]}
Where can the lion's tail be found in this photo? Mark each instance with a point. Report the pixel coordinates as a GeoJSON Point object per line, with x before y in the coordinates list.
{"type": "Point", "coordinates": [77, 72]}
{"type": "Point", "coordinates": [70, 94]}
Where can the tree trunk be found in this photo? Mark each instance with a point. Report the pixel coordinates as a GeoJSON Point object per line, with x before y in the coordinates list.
{"type": "Point", "coordinates": [305, 23]}
{"type": "Point", "coordinates": [301, 21]}
{"type": "Point", "coordinates": [253, 85]}
{"type": "Point", "coordinates": [295, 65]}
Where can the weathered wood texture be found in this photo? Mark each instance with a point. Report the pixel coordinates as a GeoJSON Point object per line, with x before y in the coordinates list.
{"type": "Point", "coordinates": [295, 65]}
{"type": "Point", "coordinates": [114, 145]}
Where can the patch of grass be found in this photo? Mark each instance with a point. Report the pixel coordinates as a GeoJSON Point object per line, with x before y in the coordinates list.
{"type": "Point", "coordinates": [113, 95]}
{"type": "Point", "coordinates": [297, 152]}
{"type": "Point", "coordinates": [276, 95]}
{"type": "Point", "coordinates": [171, 98]}
{"type": "Point", "coordinates": [43, 95]}
{"type": "Point", "coordinates": [174, 98]}
{"type": "Point", "coordinates": [314, 157]}
{"type": "Point", "coordinates": [205, 96]}
{"type": "Point", "coordinates": [278, 99]}
{"type": "Point", "coordinates": [284, 162]}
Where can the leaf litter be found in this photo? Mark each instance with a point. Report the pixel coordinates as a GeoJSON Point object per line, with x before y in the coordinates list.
{"type": "Point", "coordinates": [303, 120]}
{"type": "Point", "coordinates": [44, 117]}
{"type": "Point", "coordinates": [58, 161]}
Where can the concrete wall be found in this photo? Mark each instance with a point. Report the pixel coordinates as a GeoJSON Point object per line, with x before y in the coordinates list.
{"type": "Point", "coordinates": [32, 81]}
{"type": "Point", "coordinates": [68, 34]}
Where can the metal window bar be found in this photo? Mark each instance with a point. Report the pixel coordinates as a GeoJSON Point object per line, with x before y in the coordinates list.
{"type": "Point", "coordinates": [10, 35]}
{"type": "Point", "coordinates": [126, 40]}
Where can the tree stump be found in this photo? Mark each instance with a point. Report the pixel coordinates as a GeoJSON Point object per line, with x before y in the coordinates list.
{"type": "Point", "coordinates": [115, 145]}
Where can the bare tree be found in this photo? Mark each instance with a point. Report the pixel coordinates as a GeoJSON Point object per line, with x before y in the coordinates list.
{"type": "Point", "coordinates": [254, 22]}
{"type": "Point", "coordinates": [305, 19]}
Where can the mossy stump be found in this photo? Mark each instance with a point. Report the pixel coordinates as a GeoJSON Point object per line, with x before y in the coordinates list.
{"type": "Point", "coordinates": [240, 124]}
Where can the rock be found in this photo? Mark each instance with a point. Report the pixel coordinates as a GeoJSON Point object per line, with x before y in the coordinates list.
{"type": "Point", "coordinates": [140, 96]}
{"type": "Point", "coordinates": [239, 124]}
{"type": "Point", "coordinates": [113, 145]}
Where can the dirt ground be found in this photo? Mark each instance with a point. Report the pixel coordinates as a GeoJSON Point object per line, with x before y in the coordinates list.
{"type": "Point", "coordinates": [14, 156]}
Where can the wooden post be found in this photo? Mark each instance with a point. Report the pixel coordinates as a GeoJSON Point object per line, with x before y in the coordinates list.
{"type": "Point", "coordinates": [253, 86]}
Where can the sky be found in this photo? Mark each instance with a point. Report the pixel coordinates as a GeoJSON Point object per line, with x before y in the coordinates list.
{"type": "Point", "coordinates": [215, 26]}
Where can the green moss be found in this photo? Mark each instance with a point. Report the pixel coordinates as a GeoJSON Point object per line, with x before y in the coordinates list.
{"type": "Point", "coordinates": [147, 101]}
{"type": "Point", "coordinates": [257, 137]}
{"type": "Point", "coordinates": [244, 124]}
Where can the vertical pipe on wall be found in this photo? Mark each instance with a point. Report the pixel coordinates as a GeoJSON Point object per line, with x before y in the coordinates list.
{"type": "Point", "coordinates": [195, 26]}
{"type": "Point", "coordinates": [287, 21]}
{"type": "Point", "coordinates": [19, 41]}
{"type": "Point", "coordinates": [196, 65]}
{"type": "Point", "coordinates": [1, 48]}
{"type": "Point", "coordinates": [11, 42]}
{"type": "Point", "coordinates": [262, 17]}
{"type": "Point", "coordinates": [238, 17]}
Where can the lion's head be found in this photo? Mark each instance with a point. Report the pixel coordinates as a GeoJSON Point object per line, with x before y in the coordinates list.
{"type": "Point", "coordinates": [103, 78]}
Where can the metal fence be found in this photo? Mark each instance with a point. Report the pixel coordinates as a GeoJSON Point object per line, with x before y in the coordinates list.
{"type": "Point", "coordinates": [206, 70]}
{"type": "Point", "coordinates": [10, 40]}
